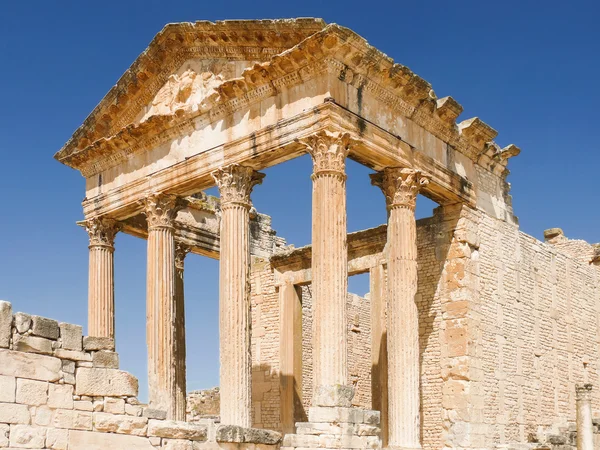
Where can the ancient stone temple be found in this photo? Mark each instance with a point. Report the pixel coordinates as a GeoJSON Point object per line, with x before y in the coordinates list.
{"type": "Point", "coordinates": [474, 335]}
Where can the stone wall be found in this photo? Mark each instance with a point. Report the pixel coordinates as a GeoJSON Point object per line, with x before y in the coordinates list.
{"type": "Point", "coordinates": [63, 391]}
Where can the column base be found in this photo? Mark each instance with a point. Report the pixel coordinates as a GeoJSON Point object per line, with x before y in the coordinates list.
{"type": "Point", "coordinates": [334, 427]}
{"type": "Point", "coordinates": [334, 395]}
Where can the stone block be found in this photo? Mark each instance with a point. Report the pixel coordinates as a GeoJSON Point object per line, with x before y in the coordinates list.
{"type": "Point", "coordinates": [328, 414]}
{"type": "Point", "coordinates": [94, 343]}
{"type": "Point", "coordinates": [110, 423]}
{"type": "Point", "coordinates": [71, 336]}
{"type": "Point", "coordinates": [133, 410]}
{"type": "Point", "coordinates": [8, 387]}
{"type": "Point", "coordinates": [68, 366]}
{"type": "Point", "coordinates": [31, 392]}
{"type": "Point", "coordinates": [336, 395]}
{"type": "Point", "coordinates": [152, 413]}
{"type": "Point", "coordinates": [83, 405]}
{"type": "Point", "coordinates": [73, 355]}
{"type": "Point", "coordinates": [109, 360]}
{"type": "Point", "coordinates": [22, 322]}
{"type": "Point", "coordinates": [57, 439]}
{"type": "Point", "coordinates": [4, 431]}
{"type": "Point", "coordinates": [43, 327]}
{"type": "Point", "coordinates": [85, 440]}
{"type": "Point", "coordinates": [177, 444]}
{"type": "Point", "coordinates": [43, 416]}
{"type": "Point", "coordinates": [6, 319]}
{"type": "Point", "coordinates": [371, 417]}
{"type": "Point", "coordinates": [14, 414]}
{"type": "Point", "coordinates": [60, 396]}
{"type": "Point", "coordinates": [105, 383]}
{"type": "Point", "coordinates": [237, 434]}
{"type": "Point", "coordinates": [26, 436]}
{"type": "Point", "coordinates": [29, 365]}
{"type": "Point", "coordinates": [72, 419]}
{"type": "Point", "coordinates": [114, 405]}
{"type": "Point", "coordinates": [177, 430]}
{"type": "Point", "coordinates": [32, 344]}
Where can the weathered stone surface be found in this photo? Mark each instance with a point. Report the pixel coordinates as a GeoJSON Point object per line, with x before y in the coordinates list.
{"type": "Point", "coordinates": [14, 413]}
{"type": "Point", "coordinates": [73, 355]}
{"type": "Point", "coordinates": [44, 327]}
{"type": "Point", "coordinates": [114, 405]}
{"type": "Point", "coordinates": [22, 322]}
{"type": "Point", "coordinates": [83, 405]}
{"type": "Point", "coordinates": [57, 439]}
{"type": "Point", "coordinates": [6, 319]}
{"type": "Point", "coordinates": [72, 419]}
{"type": "Point", "coordinates": [152, 413]}
{"type": "Point", "coordinates": [177, 430]}
{"type": "Point", "coordinates": [105, 382]}
{"type": "Point", "coordinates": [112, 423]}
{"type": "Point", "coordinates": [235, 434]}
{"type": "Point", "coordinates": [71, 336]}
{"type": "Point", "coordinates": [94, 343]}
{"type": "Point", "coordinates": [109, 360]}
{"type": "Point", "coordinates": [33, 344]}
{"type": "Point", "coordinates": [26, 436]}
{"type": "Point", "coordinates": [43, 416]}
{"type": "Point", "coordinates": [31, 392]}
{"type": "Point", "coordinates": [82, 440]}
{"type": "Point", "coordinates": [336, 395]}
{"type": "Point", "coordinates": [29, 365]}
{"type": "Point", "coordinates": [60, 396]}
{"type": "Point", "coordinates": [8, 386]}
{"type": "Point", "coordinates": [4, 431]}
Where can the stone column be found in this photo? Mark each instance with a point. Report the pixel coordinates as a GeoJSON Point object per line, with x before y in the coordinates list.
{"type": "Point", "coordinates": [101, 285]}
{"type": "Point", "coordinates": [161, 310]}
{"type": "Point", "coordinates": [181, 251]}
{"type": "Point", "coordinates": [329, 269]}
{"type": "Point", "coordinates": [585, 430]}
{"type": "Point", "coordinates": [235, 184]}
{"type": "Point", "coordinates": [379, 357]}
{"type": "Point", "coordinates": [400, 187]}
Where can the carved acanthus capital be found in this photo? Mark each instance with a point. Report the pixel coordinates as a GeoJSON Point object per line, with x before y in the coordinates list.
{"type": "Point", "coordinates": [400, 186]}
{"type": "Point", "coordinates": [161, 209]}
{"type": "Point", "coordinates": [102, 231]}
{"type": "Point", "coordinates": [235, 184]}
{"type": "Point", "coordinates": [181, 251]}
{"type": "Point", "coordinates": [328, 150]}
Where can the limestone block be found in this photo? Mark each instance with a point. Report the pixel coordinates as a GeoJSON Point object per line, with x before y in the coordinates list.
{"type": "Point", "coordinates": [335, 414]}
{"type": "Point", "coordinates": [73, 355]}
{"type": "Point", "coordinates": [60, 396]}
{"type": "Point", "coordinates": [133, 410]}
{"type": "Point", "coordinates": [33, 344]}
{"type": "Point", "coordinates": [302, 440]}
{"type": "Point", "coordinates": [85, 440]}
{"type": "Point", "coordinates": [43, 327]}
{"type": "Point", "coordinates": [8, 386]}
{"type": "Point", "coordinates": [105, 382]}
{"type": "Point", "coordinates": [110, 423]}
{"type": "Point", "coordinates": [83, 405]}
{"type": "Point", "coordinates": [114, 405]}
{"type": "Point", "coordinates": [26, 436]}
{"type": "Point", "coordinates": [14, 414]}
{"type": "Point", "coordinates": [237, 434]}
{"type": "Point", "coordinates": [336, 395]}
{"type": "Point", "coordinates": [31, 392]}
{"type": "Point", "coordinates": [57, 439]}
{"type": "Point", "coordinates": [177, 444]}
{"type": "Point", "coordinates": [109, 360]}
{"type": "Point", "coordinates": [43, 416]}
{"type": "Point", "coordinates": [22, 322]}
{"type": "Point", "coordinates": [4, 430]}
{"type": "Point", "coordinates": [152, 413]}
{"type": "Point", "coordinates": [94, 343]}
{"type": "Point", "coordinates": [371, 417]}
{"type": "Point", "coordinates": [29, 365]}
{"type": "Point", "coordinates": [68, 366]}
{"type": "Point", "coordinates": [71, 336]}
{"type": "Point", "coordinates": [177, 430]}
{"type": "Point", "coordinates": [6, 319]}
{"type": "Point", "coordinates": [71, 419]}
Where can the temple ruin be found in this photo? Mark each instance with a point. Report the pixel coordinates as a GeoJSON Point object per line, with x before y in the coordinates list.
{"type": "Point", "coordinates": [474, 335]}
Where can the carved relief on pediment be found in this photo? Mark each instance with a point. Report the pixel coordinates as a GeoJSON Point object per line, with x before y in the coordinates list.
{"type": "Point", "coordinates": [193, 83]}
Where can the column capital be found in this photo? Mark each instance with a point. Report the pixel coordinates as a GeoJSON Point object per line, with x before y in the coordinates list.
{"type": "Point", "coordinates": [235, 183]}
{"type": "Point", "coordinates": [400, 186]}
{"type": "Point", "coordinates": [328, 151]}
{"type": "Point", "coordinates": [102, 231]}
{"type": "Point", "coordinates": [161, 209]}
{"type": "Point", "coordinates": [181, 251]}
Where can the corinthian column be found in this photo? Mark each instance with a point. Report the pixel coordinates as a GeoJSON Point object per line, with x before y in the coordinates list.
{"type": "Point", "coordinates": [329, 269]}
{"type": "Point", "coordinates": [400, 187]}
{"type": "Point", "coordinates": [235, 184]}
{"type": "Point", "coordinates": [181, 251]}
{"type": "Point", "coordinates": [101, 285]}
{"type": "Point", "coordinates": [161, 310]}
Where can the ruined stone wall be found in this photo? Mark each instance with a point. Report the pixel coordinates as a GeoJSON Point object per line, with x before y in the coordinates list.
{"type": "Point", "coordinates": [60, 390]}
{"type": "Point", "coordinates": [539, 309]}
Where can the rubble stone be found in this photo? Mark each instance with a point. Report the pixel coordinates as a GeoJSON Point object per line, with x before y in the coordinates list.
{"type": "Point", "coordinates": [6, 319]}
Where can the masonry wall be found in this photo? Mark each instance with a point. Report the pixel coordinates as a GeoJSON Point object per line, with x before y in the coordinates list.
{"type": "Point", "coordinates": [540, 310]}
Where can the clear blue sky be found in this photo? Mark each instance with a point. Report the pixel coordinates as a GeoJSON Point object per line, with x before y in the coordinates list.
{"type": "Point", "coordinates": [528, 68]}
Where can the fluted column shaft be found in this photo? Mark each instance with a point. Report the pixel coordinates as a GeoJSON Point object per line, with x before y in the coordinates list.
{"type": "Point", "coordinates": [101, 285]}
{"type": "Point", "coordinates": [161, 311]}
{"type": "Point", "coordinates": [181, 251]}
{"type": "Point", "coordinates": [401, 186]}
{"type": "Point", "coordinates": [235, 184]}
{"type": "Point", "coordinates": [585, 426]}
{"type": "Point", "coordinates": [329, 269]}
